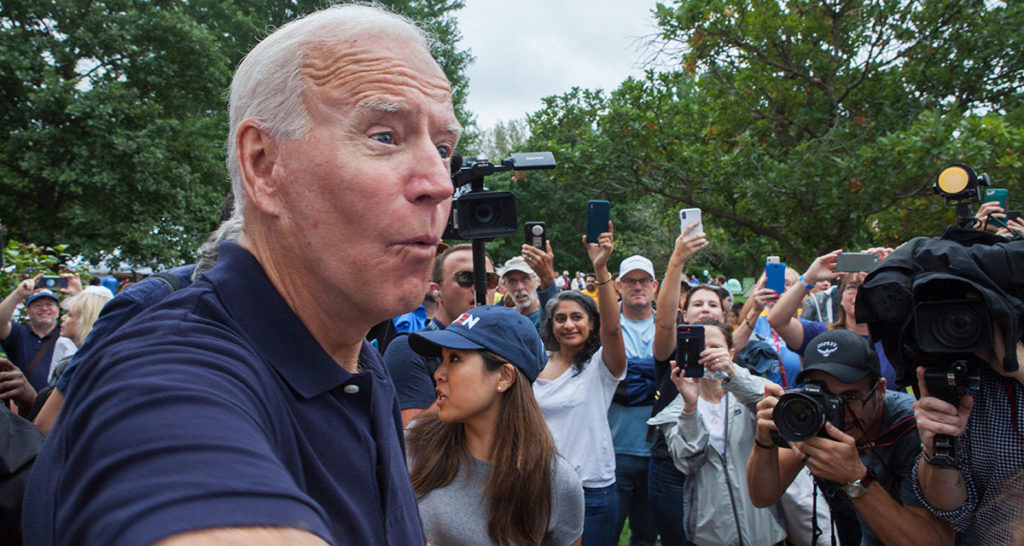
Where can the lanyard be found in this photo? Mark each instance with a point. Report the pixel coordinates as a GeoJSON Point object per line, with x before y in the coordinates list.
{"type": "Point", "coordinates": [782, 366]}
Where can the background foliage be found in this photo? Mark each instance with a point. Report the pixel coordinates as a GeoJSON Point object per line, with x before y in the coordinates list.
{"type": "Point", "coordinates": [796, 126]}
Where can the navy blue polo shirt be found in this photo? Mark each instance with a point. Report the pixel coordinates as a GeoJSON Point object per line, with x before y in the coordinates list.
{"type": "Point", "coordinates": [21, 346]}
{"type": "Point", "coordinates": [217, 408]}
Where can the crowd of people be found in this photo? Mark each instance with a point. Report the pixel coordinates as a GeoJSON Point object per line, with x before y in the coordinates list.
{"type": "Point", "coordinates": [242, 400]}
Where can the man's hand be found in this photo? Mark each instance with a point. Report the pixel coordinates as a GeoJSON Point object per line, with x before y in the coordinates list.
{"type": "Point", "coordinates": [835, 460]}
{"type": "Point", "coordinates": [15, 386]}
{"type": "Point", "coordinates": [935, 416]}
{"type": "Point", "coordinates": [600, 252]}
{"type": "Point", "coordinates": [74, 284]}
{"type": "Point", "coordinates": [765, 424]}
{"type": "Point", "coordinates": [823, 268]}
{"type": "Point", "coordinates": [542, 262]}
{"type": "Point", "coordinates": [26, 287]}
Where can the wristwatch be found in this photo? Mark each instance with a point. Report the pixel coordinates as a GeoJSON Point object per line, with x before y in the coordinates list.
{"type": "Point", "coordinates": [857, 488]}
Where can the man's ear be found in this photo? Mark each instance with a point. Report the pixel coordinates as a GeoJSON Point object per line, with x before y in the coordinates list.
{"type": "Point", "coordinates": [435, 291]}
{"type": "Point", "coordinates": [257, 157]}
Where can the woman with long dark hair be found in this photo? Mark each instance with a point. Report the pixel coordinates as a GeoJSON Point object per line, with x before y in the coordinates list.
{"type": "Point", "coordinates": [484, 466]}
{"type": "Point", "coordinates": [586, 361]}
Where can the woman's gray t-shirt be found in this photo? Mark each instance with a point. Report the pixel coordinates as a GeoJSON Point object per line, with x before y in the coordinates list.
{"type": "Point", "coordinates": [457, 513]}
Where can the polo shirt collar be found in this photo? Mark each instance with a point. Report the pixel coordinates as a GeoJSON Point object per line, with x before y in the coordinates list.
{"type": "Point", "coordinates": [273, 328]}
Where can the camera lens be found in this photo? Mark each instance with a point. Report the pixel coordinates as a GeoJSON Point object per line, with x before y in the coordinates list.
{"type": "Point", "coordinates": [484, 214]}
{"type": "Point", "coordinates": [798, 417]}
{"type": "Point", "coordinates": [959, 326]}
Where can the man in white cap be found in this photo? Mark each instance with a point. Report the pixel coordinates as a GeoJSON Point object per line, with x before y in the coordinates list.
{"type": "Point", "coordinates": [527, 288]}
{"type": "Point", "coordinates": [634, 398]}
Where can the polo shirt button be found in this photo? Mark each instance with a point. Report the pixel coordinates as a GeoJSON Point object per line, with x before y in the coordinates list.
{"type": "Point", "coordinates": [351, 389]}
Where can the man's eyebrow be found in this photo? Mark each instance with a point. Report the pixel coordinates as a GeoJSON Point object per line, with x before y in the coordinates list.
{"type": "Point", "coordinates": [378, 105]}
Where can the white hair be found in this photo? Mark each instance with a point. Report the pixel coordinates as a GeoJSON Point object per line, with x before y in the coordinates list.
{"type": "Point", "coordinates": [268, 84]}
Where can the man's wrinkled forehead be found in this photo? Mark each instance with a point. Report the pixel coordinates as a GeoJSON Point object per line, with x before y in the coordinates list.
{"type": "Point", "coordinates": [367, 70]}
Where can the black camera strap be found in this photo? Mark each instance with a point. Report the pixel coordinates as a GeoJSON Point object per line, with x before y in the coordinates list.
{"type": "Point", "coordinates": [893, 433]}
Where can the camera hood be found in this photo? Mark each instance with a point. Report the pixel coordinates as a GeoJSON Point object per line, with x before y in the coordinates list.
{"type": "Point", "coordinates": [961, 266]}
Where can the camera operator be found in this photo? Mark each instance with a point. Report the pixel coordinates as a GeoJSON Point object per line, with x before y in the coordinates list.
{"type": "Point", "coordinates": [864, 466]}
{"type": "Point", "coordinates": [989, 427]}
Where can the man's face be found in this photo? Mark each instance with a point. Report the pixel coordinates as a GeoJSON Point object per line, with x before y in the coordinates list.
{"type": "Point", "coordinates": [861, 417]}
{"type": "Point", "coordinates": [523, 289]}
{"type": "Point", "coordinates": [452, 298]}
{"type": "Point", "coordinates": [637, 289]}
{"type": "Point", "coordinates": [363, 199]}
{"type": "Point", "coordinates": [43, 313]}
{"type": "Point", "coordinates": [591, 282]}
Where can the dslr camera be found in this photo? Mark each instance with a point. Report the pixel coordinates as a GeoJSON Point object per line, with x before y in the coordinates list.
{"type": "Point", "coordinates": [801, 413]}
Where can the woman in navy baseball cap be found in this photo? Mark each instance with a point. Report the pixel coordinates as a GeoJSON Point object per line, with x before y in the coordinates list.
{"type": "Point", "coordinates": [484, 466]}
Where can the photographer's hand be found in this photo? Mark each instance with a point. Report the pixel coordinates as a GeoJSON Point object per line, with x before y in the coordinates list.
{"type": "Point", "coordinates": [935, 416]}
{"type": "Point", "coordinates": [765, 424]}
{"type": "Point", "coordinates": [943, 487]}
{"type": "Point", "coordinates": [15, 386]}
{"type": "Point", "coordinates": [834, 459]}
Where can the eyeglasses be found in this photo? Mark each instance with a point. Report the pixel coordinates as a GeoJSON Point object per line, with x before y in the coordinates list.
{"type": "Point", "coordinates": [850, 397]}
{"type": "Point", "coordinates": [633, 282]}
{"type": "Point", "coordinates": [465, 279]}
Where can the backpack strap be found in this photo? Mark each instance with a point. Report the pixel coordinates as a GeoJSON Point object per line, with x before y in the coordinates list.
{"type": "Point", "coordinates": [169, 279]}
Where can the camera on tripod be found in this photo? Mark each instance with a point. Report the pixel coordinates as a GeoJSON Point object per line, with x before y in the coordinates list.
{"type": "Point", "coordinates": [801, 413]}
{"type": "Point", "coordinates": [478, 213]}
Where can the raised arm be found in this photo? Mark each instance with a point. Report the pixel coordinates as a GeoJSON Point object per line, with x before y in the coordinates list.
{"type": "Point", "coordinates": [608, 303]}
{"type": "Point", "coordinates": [782, 316]}
{"type": "Point", "coordinates": [10, 303]}
{"type": "Point", "coordinates": [770, 470]}
{"type": "Point", "coordinates": [759, 297]}
{"type": "Point", "coordinates": [687, 244]}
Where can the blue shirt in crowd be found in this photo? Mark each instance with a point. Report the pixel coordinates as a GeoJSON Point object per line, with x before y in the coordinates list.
{"type": "Point", "coordinates": [21, 346]}
{"type": "Point", "coordinates": [217, 408]}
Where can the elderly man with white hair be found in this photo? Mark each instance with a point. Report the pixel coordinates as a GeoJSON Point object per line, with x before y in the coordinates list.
{"type": "Point", "coordinates": [247, 408]}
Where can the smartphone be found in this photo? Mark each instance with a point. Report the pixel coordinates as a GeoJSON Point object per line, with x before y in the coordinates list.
{"type": "Point", "coordinates": [996, 194]}
{"type": "Point", "coordinates": [597, 219]}
{"type": "Point", "coordinates": [536, 234]}
{"type": "Point", "coordinates": [51, 282]}
{"type": "Point", "coordinates": [689, 346]}
{"type": "Point", "coordinates": [690, 216]}
{"type": "Point", "coordinates": [772, 260]}
{"type": "Point", "coordinates": [1012, 214]}
{"type": "Point", "coordinates": [775, 276]}
{"type": "Point", "coordinates": [856, 261]}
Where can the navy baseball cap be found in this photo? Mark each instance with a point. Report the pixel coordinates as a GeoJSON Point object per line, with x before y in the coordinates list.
{"type": "Point", "coordinates": [500, 330]}
{"type": "Point", "coordinates": [42, 293]}
{"type": "Point", "coordinates": [841, 353]}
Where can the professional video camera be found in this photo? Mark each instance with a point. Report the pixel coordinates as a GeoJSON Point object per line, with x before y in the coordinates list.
{"type": "Point", "coordinates": [935, 302]}
{"type": "Point", "coordinates": [480, 215]}
{"type": "Point", "coordinates": [802, 413]}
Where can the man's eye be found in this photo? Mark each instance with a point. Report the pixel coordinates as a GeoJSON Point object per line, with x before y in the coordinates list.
{"type": "Point", "coordinates": [384, 138]}
{"type": "Point", "coordinates": [445, 152]}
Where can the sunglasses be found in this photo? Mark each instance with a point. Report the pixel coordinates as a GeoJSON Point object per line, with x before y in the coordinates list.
{"type": "Point", "coordinates": [465, 279]}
